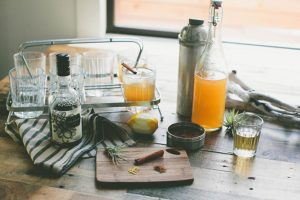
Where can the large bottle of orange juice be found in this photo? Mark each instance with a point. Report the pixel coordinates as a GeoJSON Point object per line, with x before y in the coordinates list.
{"type": "Point", "coordinates": [211, 76]}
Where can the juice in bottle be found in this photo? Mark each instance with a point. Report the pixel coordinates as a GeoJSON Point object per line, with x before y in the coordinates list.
{"type": "Point", "coordinates": [209, 100]}
{"type": "Point", "coordinates": [211, 76]}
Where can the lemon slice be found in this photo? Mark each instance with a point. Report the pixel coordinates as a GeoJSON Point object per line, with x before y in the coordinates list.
{"type": "Point", "coordinates": [143, 123]}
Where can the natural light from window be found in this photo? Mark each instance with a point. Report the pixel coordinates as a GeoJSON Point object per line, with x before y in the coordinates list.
{"type": "Point", "coordinates": [275, 22]}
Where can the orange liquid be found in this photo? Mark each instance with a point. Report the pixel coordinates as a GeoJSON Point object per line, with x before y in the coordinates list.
{"type": "Point", "coordinates": [139, 91]}
{"type": "Point", "coordinates": [209, 101]}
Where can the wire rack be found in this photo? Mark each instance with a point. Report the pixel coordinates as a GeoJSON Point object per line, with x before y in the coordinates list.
{"type": "Point", "coordinates": [112, 94]}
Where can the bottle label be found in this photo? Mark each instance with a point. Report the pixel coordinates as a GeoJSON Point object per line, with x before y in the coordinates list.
{"type": "Point", "coordinates": [73, 120]}
{"type": "Point", "coordinates": [66, 126]}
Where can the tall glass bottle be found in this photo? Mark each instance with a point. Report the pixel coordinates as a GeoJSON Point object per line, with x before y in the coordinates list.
{"type": "Point", "coordinates": [65, 108]}
{"type": "Point", "coordinates": [211, 76]}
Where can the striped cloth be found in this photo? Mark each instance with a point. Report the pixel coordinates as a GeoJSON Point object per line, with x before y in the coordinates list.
{"type": "Point", "coordinates": [35, 136]}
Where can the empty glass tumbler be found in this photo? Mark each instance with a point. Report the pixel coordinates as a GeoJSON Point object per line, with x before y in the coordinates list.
{"type": "Point", "coordinates": [28, 92]}
{"type": "Point", "coordinates": [35, 60]}
{"type": "Point", "coordinates": [98, 70]}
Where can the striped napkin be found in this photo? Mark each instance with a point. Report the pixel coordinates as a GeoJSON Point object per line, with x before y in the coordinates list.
{"type": "Point", "coordinates": [35, 136]}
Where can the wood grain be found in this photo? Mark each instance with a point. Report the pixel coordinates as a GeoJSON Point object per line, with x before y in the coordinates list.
{"type": "Point", "coordinates": [217, 176]}
{"type": "Point", "coordinates": [276, 142]}
{"type": "Point", "coordinates": [18, 190]}
{"type": "Point", "coordinates": [178, 170]}
{"type": "Point", "coordinates": [272, 174]}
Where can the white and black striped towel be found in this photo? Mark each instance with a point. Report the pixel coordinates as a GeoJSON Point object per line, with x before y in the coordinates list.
{"type": "Point", "coordinates": [35, 136]}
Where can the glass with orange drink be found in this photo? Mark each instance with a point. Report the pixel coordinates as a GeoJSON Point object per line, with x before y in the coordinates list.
{"type": "Point", "coordinates": [139, 87]}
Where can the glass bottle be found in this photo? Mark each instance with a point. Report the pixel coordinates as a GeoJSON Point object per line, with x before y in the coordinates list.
{"type": "Point", "coordinates": [65, 108]}
{"type": "Point", "coordinates": [211, 76]}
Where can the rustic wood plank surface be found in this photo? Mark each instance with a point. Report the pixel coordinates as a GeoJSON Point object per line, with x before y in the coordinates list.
{"type": "Point", "coordinates": [178, 169]}
{"type": "Point", "coordinates": [273, 174]}
{"type": "Point", "coordinates": [19, 190]}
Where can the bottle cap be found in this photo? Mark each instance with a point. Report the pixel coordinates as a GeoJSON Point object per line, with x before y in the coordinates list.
{"type": "Point", "coordinates": [196, 22]}
{"type": "Point", "coordinates": [216, 3]}
{"type": "Point", "coordinates": [63, 64]}
{"type": "Point", "coordinates": [194, 34]}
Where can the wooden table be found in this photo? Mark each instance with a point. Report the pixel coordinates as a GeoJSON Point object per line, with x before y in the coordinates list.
{"type": "Point", "coordinates": [273, 174]}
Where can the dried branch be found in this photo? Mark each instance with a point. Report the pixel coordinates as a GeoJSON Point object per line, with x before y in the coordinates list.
{"type": "Point", "coordinates": [242, 97]}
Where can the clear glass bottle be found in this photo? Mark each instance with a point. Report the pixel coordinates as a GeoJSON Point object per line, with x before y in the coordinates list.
{"type": "Point", "coordinates": [211, 76]}
{"type": "Point", "coordinates": [65, 108]}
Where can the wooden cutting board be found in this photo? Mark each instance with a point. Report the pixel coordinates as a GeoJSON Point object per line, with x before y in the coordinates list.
{"type": "Point", "coordinates": [178, 169]}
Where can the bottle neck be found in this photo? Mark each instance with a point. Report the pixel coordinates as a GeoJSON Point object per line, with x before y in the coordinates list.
{"type": "Point", "coordinates": [64, 81]}
{"type": "Point", "coordinates": [215, 22]}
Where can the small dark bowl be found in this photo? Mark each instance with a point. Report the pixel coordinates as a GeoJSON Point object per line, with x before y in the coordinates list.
{"type": "Point", "coordinates": [186, 135]}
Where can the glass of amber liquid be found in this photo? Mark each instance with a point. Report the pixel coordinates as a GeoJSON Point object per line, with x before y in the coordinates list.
{"type": "Point", "coordinates": [247, 129]}
{"type": "Point", "coordinates": [139, 87]}
{"type": "Point", "coordinates": [209, 99]}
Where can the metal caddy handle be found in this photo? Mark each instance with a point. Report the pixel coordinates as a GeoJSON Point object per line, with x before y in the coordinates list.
{"type": "Point", "coordinates": [36, 43]}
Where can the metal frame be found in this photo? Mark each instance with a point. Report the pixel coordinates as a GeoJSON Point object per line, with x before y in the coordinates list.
{"type": "Point", "coordinates": [112, 28]}
{"type": "Point", "coordinates": [156, 101]}
{"type": "Point", "coordinates": [36, 43]}
{"type": "Point", "coordinates": [122, 103]}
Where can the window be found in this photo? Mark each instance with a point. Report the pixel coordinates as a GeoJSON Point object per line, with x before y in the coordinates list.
{"type": "Point", "coordinates": [256, 21]}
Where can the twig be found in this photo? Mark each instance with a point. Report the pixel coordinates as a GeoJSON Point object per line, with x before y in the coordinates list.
{"type": "Point", "coordinates": [114, 154]}
{"type": "Point", "coordinates": [250, 100]}
{"type": "Point", "coordinates": [129, 68]}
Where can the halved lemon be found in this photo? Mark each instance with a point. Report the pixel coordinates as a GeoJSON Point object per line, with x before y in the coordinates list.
{"type": "Point", "coordinates": [143, 123]}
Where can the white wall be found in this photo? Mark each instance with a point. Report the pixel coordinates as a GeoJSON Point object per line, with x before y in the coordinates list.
{"type": "Point", "coordinates": [91, 18]}
{"type": "Point", "coordinates": [24, 20]}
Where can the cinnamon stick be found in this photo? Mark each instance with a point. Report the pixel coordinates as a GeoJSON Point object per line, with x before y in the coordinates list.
{"type": "Point", "coordinates": [149, 157]}
{"type": "Point", "coordinates": [129, 68]}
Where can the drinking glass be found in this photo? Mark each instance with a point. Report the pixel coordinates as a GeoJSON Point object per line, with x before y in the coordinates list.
{"type": "Point", "coordinates": [35, 61]}
{"type": "Point", "coordinates": [247, 129]}
{"type": "Point", "coordinates": [77, 74]}
{"type": "Point", "coordinates": [27, 91]}
{"type": "Point", "coordinates": [98, 68]}
{"type": "Point", "coordinates": [139, 87]}
{"type": "Point", "coordinates": [129, 57]}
